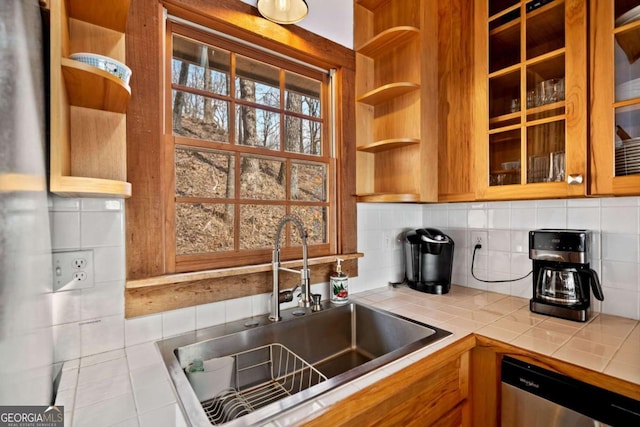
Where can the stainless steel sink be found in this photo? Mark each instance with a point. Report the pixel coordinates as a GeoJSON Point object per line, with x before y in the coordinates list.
{"type": "Point", "coordinates": [339, 342]}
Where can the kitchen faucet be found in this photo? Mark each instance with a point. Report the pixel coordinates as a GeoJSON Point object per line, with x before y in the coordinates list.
{"type": "Point", "coordinates": [305, 285]}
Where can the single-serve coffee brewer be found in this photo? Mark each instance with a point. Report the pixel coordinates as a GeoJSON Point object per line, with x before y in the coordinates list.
{"type": "Point", "coordinates": [429, 260]}
{"type": "Point", "coordinates": [562, 278]}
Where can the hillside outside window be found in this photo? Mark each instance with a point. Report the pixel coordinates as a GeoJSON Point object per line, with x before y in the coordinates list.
{"type": "Point", "coordinates": [250, 138]}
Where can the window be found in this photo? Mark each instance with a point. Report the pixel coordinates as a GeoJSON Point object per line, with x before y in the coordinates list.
{"type": "Point", "coordinates": [249, 140]}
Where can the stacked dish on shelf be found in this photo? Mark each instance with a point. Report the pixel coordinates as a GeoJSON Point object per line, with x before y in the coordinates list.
{"type": "Point", "coordinates": [104, 63]}
{"type": "Point", "coordinates": [628, 157]}
{"type": "Point", "coordinates": [628, 90]}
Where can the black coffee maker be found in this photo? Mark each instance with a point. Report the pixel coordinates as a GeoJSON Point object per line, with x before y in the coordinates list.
{"type": "Point", "coordinates": [561, 273]}
{"type": "Point", "coordinates": [429, 260]}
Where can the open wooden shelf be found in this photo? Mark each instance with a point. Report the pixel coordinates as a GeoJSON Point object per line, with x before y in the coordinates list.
{"type": "Point", "coordinates": [387, 92]}
{"type": "Point", "coordinates": [12, 182]}
{"type": "Point", "coordinates": [388, 198]}
{"type": "Point", "coordinates": [76, 186]}
{"type": "Point", "coordinates": [91, 87]}
{"type": "Point", "coordinates": [110, 14]}
{"type": "Point", "coordinates": [88, 105]}
{"type": "Point", "coordinates": [387, 40]}
{"type": "Point", "coordinates": [388, 144]}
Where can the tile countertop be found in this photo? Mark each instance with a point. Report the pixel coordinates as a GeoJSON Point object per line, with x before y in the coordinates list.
{"type": "Point", "coordinates": [130, 387]}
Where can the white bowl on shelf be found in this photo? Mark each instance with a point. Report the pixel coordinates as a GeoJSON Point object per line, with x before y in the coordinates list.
{"type": "Point", "coordinates": [104, 63]}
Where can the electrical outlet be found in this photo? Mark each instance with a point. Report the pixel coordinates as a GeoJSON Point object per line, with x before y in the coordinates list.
{"type": "Point", "coordinates": [478, 240]}
{"type": "Point", "coordinates": [72, 270]}
{"type": "Point", "coordinates": [79, 263]}
{"type": "Point", "coordinates": [79, 276]}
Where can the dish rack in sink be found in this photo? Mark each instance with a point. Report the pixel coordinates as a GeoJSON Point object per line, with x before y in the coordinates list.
{"type": "Point", "coordinates": [261, 376]}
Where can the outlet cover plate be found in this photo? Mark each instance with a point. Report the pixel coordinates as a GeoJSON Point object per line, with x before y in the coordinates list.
{"type": "Point", "coordinates": [69, 267]}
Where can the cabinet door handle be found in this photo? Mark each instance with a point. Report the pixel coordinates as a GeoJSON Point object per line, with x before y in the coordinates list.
{"type": "Point", "coordinates": [574, 179]}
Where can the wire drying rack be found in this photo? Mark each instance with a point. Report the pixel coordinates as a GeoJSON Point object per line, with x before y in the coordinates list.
{"type": "Point", "coordinates": [262, 375]}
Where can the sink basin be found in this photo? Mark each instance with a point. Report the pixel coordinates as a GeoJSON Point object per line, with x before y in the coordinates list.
{"type": "Point", "coordinates": [333, 346]}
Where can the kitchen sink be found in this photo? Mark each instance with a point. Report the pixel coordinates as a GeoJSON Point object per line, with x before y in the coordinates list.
{"type": "Point", "coordinates": [304, 355]}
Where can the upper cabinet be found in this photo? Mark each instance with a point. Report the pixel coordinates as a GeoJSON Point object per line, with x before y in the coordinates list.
{"type": "Point", "coordinates": [615, 105]}
{"type": "Point", "coordinates": [531, 98]}
{"type": "Point", "coordinates": [88, 105]}
{"type": "Point", "coordinates": [396, 89]}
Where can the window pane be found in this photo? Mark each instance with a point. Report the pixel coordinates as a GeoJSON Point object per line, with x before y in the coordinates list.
{"type": "Point", "coordinates": [203, 173]}
{"type": "Point", "coordinates": [257, 82]}
{"type": "Point", "coordinates": [302, 94]}
{"type": "Point", "coordinates": [262, 179]}
{"type": "Point", "coordinates": [203, 227]}
{"type": "Point", "coordinates": [315, 221]}
{"type": "Point", "coordinates": [200, 66]}
{"type": "Point", "coordinates": [303, 136]}
{"type": "Point", "coordinates": [309, 182]}
{"type": "Point", "coordinates": [196, 116]}
{"type": "Point", "coordinates": [257, 127]}
{"type": "Point", "coordinates": [258, 225]}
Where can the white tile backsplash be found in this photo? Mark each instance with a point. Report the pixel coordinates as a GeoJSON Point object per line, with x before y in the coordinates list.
{"type": "Point", "coordinates": [101, 335]}
{"type": "Point", "coordinates": [503, 228]}
{"type": "Point", "coordinates": [101, 229]}
{"type": "Point", "coordinates": [65, 230]}
{"type": "Point", "coordinates": [176, 322]}
{"type": "Point", "coordinates": [91, 321]}
{"type": "Point", "coordinates": [142, 329]}
{"type": "Point", "coordinates": [210, 314]}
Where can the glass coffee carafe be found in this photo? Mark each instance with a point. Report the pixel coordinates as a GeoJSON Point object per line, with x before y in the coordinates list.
{"type": "Point", "coordinates": [561, 286]}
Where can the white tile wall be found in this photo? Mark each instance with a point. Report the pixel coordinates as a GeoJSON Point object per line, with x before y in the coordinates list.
{"type": "Point", "coordinates": [91, 321]}
{"type": "Point", "coordinates": [503, 228]}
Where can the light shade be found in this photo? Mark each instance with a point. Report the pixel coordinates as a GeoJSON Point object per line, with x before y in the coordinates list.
{"type": "Point", "coordinates": [283, 11]}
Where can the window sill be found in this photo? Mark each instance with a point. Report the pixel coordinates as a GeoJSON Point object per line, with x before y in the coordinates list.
{"type": "Point", "coordinates": [175, 291]}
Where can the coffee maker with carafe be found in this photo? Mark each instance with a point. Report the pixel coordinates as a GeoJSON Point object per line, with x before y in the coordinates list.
{"type": "Point", "coordinates": [562, 276]}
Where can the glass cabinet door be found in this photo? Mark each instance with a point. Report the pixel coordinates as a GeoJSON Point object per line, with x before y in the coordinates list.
{"type": "Point", "coordinates": [526, 92]}
{"type": "Point", "coordinates": [615, 102]}
{"type": "Point", "coordinates": [627, 88]}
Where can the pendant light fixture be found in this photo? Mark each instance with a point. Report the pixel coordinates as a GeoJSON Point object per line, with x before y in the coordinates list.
{"type": "Point", "coordinates": [283, 11]}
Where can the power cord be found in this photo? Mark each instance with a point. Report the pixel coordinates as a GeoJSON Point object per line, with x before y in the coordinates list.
{"type": "Point", "coordinates": [473, 259]}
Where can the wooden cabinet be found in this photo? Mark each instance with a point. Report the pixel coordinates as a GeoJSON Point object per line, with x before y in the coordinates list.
{"type": "Point", "coordinates": [88, 105]}
{"type": "Point", "coordinates": [531, 98]}
{"type": "Point", "coordinates": [430, 392]}
{"type": "Point", "coordinates": [396, 86]}
{"type": "Point", "coordinates": [615, 104]}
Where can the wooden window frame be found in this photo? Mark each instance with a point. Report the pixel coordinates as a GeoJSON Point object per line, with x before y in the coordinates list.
{"type": "Point", "coordinates": [238, 257]}
{"type": "Point", "coordinates": [146, 245]}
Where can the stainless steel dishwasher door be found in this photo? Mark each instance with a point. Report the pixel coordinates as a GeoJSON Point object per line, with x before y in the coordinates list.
{"type": "Point", "coordinates": [523, 409]}
{"type": "Point", "coordinates": [536, 397]}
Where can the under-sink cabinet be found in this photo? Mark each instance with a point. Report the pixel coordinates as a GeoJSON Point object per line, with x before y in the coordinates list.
{"type": "Point", "coordinates": [432, 391]}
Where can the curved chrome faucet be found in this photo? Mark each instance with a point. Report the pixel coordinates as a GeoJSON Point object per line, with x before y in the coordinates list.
{"type": "Point", "coordinates": [305, 274]}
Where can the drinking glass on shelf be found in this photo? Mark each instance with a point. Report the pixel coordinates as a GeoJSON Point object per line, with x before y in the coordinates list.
{"type": "Point", "coordinates": [515, 105]}
{"type": "Point", "coordinates": [531, 99]}
{"type": "Point", "coordinates": [558, 159]}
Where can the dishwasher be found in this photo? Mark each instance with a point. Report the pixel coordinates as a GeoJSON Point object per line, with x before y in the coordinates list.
{"type": "Point", "coordinates": [536, 397]}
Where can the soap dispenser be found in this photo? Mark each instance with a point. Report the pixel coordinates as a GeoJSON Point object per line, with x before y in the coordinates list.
{"type": "Point", "coordinates": [339, 285]}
